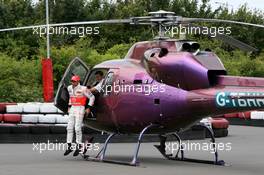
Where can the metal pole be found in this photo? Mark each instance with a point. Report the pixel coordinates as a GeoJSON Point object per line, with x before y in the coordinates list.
{"type": "Point", "coordinates": [47, 23]}
{"type": "Point", "coordinates": [47, 70]}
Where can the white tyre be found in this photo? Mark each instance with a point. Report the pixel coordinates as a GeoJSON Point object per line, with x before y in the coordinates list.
{"type": "Point", "coordinates": [257, 115]}
{"type": "Point", "coordinates": [49, 119]}
{"type": "Point", "coordinates": [31, 108]}
{"type": "Point", "coordinates": [48, 108]}
{"type": "Point", "coordinates": [30, 118]}
{"type": "Point", "coordinates": [14, 109]}
{"type": "Point", "coordinates": [62, 119]}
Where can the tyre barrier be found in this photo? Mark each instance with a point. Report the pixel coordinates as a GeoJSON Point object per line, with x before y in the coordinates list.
{"type": "Point", "coordinates": [11, 128]}
{"type": "Point", "coordinates": [48, 108]}
{"type": "Point", "coordinates": [58, 129]}
{"type": "Point", "coordinates": [219, 123]}
{"type": "Point", "coordinates": [3, 107]}
{"type": "Point", "coordinates": [21, 129]}
{"type": "Point", "coordinates": [6, 128]}
{"type": "Point", "coordinates": [31, 108]}
{"type": "Point", "coordinates": [220, 132]}
{"type": "Point", "coordinates": [30, 118]}
{"type": "Point", "coordinates": [12, 118]}
{"type": "Point", "coordinates": [231, 115]}
{"type": "Point", "coordinates": [1, 117]}
{"type": "Point", "coordinates": [257, 115]}
{"type": "Point", "coordinates": [40, 129]}
{"type": "Point", "coordinates": [249, 115]}
{"type": "Point", "coordinates": [62, 119]}
{"type": "Point", "coordinates": [14, 108]}
{"type": "Point", "coordinates": [244, 115]}
{"type": "Point", "coordinates": [48, 119]}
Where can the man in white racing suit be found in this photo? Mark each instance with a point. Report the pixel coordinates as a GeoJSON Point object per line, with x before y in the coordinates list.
{"type": "Point", "coordinates": [77, 103]}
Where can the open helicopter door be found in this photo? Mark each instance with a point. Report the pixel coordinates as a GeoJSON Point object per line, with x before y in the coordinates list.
{"type": "Point", "coordinates": [76, 67]}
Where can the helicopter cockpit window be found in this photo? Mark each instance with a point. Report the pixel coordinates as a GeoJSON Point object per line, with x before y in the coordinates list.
{"type": "Point", "coordinates": [109, 79]}
{"type": "Point", "coordinates": [107, 85]}
{"type": "Point", "coordinates": [76, 69]}
{"type": "Point", "coordinates": [92, 81]}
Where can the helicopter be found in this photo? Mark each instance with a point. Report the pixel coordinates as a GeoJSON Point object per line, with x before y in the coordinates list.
{"type": "Point", "coordinates": [163, 87]}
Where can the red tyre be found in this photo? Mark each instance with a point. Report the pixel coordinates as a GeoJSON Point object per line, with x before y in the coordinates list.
{"type": "Point", "coordinates": [220, 123]}
{"type": "Point", "coordinates": [231, 115]}
{"type": "Point", "coordinates": [1, 118]}
{"type": "Point", "coordinates": [3, 107]}
{"type": "Point", "coordinates": [12, 118]}
{"type": "Point", "coordinates": [244, 115]}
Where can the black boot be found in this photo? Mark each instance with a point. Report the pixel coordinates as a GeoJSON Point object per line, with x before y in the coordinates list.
{"type": "Point", "coordinates": [68, 150]}
{"type": "Point", "coordinates": [77, 150]}
{"type": "Point", "coordinates": [90, 139]}
{"type": "Point", "coordinates": [87, 143]}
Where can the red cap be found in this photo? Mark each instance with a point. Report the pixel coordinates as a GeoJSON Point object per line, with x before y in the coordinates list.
{"type": "Point", "coordinates": [75, 78]}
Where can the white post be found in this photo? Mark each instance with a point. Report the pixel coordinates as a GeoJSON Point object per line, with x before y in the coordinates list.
{"type": "Point", "coordinates": [47, 23]}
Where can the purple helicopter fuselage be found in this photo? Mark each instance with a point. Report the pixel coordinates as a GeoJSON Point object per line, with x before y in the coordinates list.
{"type": "Point", "coordinates": [174, 90]}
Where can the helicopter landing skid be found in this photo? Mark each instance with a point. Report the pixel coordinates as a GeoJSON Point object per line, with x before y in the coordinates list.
{"type": "Point", "coordinates": [100, 157]}
{"type": "Point", "coordinates": [162, 150]}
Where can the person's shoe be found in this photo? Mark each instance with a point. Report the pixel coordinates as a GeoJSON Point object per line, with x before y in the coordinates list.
{"type": "Point", "coordinates": [68, 150]}
{"type": "Point", "coordinates": [77, 150]}
{"type": "Point", "coordinates": [90, 139]}
{"type": "Point", "coordinates": [87, 144]}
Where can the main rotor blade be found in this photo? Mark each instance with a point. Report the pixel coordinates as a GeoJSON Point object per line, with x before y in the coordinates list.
{"type": "Point", "coordinates": [113, 21]}
{"type": "Point", "coordinates": [22, 28]}
{"type": "Point", "coordinates": [236, 43]}
{"type": "Point", "coordinates": [219, 20]}
{"type": "Point", "coordinates": [229, 40]}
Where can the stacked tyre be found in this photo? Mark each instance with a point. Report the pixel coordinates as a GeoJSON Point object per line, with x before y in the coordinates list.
{"type": "Point", "coordinates": [220, 127]}
{"type": "Point", "coordinates": [31, 118]}
{"type": "Point", "coordinates": [3, 107]}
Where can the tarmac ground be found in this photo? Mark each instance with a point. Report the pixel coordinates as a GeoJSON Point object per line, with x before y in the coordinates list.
{"type": "Point", "coordinates": [242, 150]}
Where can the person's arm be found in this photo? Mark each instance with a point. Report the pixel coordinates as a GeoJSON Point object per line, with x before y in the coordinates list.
{"type": "Point", "coordinates": [94, 90]}
{"type": "Point", "coordinates": [97, 88]}
{"type": "Point", "coordinates": [91, 98]}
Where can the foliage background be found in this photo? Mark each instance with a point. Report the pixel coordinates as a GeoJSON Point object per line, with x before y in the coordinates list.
{"type": "Point", "coordinates": [21, 51]}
